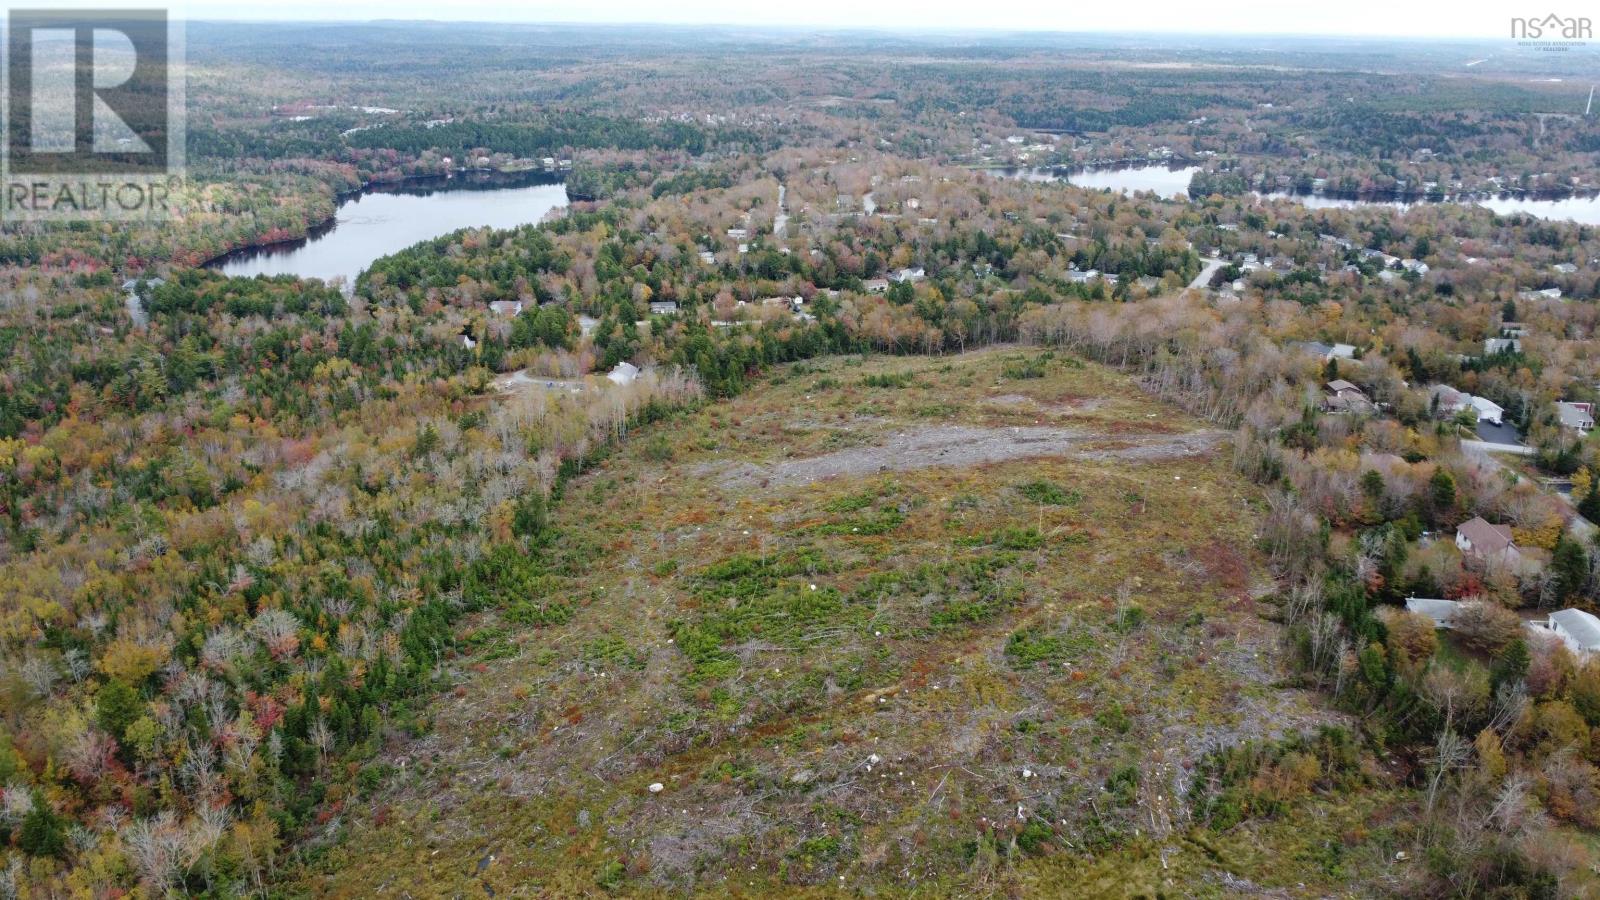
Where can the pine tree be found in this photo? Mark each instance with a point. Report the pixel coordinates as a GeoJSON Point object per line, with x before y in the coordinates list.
{"type": "Point", "coordinates": [1569, 565]}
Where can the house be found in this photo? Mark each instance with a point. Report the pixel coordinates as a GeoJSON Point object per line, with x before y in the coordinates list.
{"type": "Point", "coordinates": [1342, 396]}
{"type": "Point", "coordinates": [1577, 416]}
{"type": "Point", "coordinates": [1490, 543]}
{"type": "Point", "coordinates": [1513, 330]}
{"type": "Point", "coordinates": [1491, 346]}
{"type": "Point", "coordinates": [1414, 265]}
{"type": "Point", "coordinates": [1579, 630]}
{"type": "Point", "coordinates": [1488, 410]}
{"type": "Point", "coordinates": [1327, 351]}
{"type": "Point", "coordinates": [739, 234]}
{"type": "Point", "coordinates": [663, 307]}
{"type": "Point", "coordinates": [624, 373]}
{"type": "Point", "coordinates": [1082, 276]}
{"type": "Point", "coordinates": [904, 275]}
{"type": "Point", "coordinates": [707, 257]}
{"type": "Point", "coordinates": [506, 307]}
{"type": "Point", "coordinates": [1449, 401]}
{"type": "Point", "coordinates": [876, 285]}
{"type": "Point", "coordinates": [1565, 268]}
{"type": "Point", "coordinates": [1546, 294]}
{"type": "Point", "coordinates": [1442, 612]}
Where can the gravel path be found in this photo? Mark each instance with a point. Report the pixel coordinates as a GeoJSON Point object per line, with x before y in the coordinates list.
{"type": "Point", "coordinates": [963, 445]}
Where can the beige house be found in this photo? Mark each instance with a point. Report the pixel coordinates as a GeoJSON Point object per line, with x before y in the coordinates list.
{"type": "Point", "coordinates": [1491, 543]}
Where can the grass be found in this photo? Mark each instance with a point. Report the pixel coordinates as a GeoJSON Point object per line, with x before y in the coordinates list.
{"type": "Point", "coordinates": [850, 677]}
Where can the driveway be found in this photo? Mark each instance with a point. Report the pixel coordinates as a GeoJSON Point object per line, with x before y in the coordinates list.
{"type": "Point", "coordinates": [1203, 280]}
{"type": "Point", "coordinates": [1490, 433]}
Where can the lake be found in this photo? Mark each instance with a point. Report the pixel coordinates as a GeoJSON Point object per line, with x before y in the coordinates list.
{"type": "Point", "coordinates": [389, 218]}
{"type": "Point", "coordinates": [1172, 181]}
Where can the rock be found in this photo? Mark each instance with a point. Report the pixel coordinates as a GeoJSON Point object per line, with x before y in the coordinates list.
{"type": "Point", "coordinates": [584, 818]}
{"type": "Point", "coordinates": [657, 787]}
{"type": "Point", "coordinates": [803, 776]}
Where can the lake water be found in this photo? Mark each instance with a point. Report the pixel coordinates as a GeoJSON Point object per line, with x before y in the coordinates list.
{"type": "Point", "coordinates": [1173, 182]}
{"type": "Point", "coordinates": [387, 219]}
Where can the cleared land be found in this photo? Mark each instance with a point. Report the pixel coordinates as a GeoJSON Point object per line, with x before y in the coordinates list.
{"type": "Point", "coordinates": [991, 668]}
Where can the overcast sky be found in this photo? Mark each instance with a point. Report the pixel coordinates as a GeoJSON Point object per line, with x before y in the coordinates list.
{"type": "Point", "coordinates": [1376, 18]}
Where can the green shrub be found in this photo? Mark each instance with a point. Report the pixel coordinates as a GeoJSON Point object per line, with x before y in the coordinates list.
{"type": "Point", "coordinates": [889, 380]}
{"type": "Point", "coordinates": [1049, 493]}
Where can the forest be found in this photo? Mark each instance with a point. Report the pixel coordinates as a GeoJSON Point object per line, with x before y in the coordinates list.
{"type": "Point", "coordinates": [285, 561]}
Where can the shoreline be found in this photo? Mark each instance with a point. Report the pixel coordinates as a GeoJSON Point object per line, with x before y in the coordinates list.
{"type": "Point", "coordinates": [1179, 163]}
{"type": "Point", "coordinates": [375, 186]}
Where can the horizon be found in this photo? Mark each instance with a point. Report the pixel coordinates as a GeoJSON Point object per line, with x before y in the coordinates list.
{"type": "Point", "coordinates": [1363, 19]}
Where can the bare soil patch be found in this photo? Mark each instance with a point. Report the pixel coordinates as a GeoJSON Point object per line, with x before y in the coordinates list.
{"type": "Point", "coordinates": [962, 446]}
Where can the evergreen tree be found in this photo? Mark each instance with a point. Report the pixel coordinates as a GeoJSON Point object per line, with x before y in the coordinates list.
{"type": "Point", "coordinates": [1569, 565]}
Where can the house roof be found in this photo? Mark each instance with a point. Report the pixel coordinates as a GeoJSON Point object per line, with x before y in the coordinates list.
{"type": "Point", "coordinates": [1440, 611]}
{"type": "Point", "coordinates": [624, 373]}
{"type": "Point", "coordinates": [1584, 628]}
{"type": "Point", "coordinates": [1485, 538]}
{"type": "Point", "coordinates": [1339, 386]}
{"type": "Point", "coordinates": [1574, 415]}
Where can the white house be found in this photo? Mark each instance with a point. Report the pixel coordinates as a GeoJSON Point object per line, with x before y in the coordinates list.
{"type": "Point", "coordinates": [1451, 401]}
{"type": "Point", "coordinates": [1492, 346]}
{"type": "Point", "coordinates": [1442, 612]}
{"type": "Point", "coordinates": [1577, 416]}
{"type": "Point", "coordinates": [506, 307]}
{"type": "Point", "coordinates": [624, 373]}
{"type": "Point", "coordinates": [1546, 294]}
{"type": "Point", "coordinates": [1317, 348]}
{"type": "Point", "coordinates": [1577, 629]}
{"type": "Point", "coordinates": [1488, 410]}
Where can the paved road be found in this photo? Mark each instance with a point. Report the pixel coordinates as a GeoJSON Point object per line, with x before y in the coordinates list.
{"type": "Point", "coordinates": [1212, 267]}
